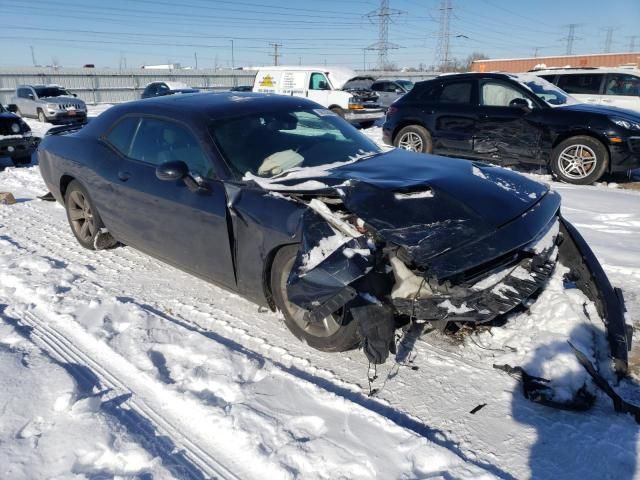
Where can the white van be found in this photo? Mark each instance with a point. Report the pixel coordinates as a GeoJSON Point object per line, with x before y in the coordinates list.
{"type": "Point", "coordinates": [616, 87]}
{"type": "Point", "coordinates": [323, 85]}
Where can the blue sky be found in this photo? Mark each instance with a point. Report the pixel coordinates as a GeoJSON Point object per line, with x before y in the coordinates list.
{"type": "Point", "coordinates": [109, 33]}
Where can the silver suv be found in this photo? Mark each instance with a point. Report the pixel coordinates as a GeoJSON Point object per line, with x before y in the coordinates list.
{"type": "Point", "coordinates": [49, 103]}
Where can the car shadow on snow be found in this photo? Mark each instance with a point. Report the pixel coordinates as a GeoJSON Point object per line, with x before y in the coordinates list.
{"type": "Point", "coordinates": [597, 443]}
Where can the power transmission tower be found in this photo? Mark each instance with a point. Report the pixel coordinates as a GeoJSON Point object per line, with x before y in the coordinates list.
{"type": "Point", "coordinates": [442, 49]}
{"type": "Point", "coordinates": [571, 37]}
{"type": "Point", "coordinates": [275, 53]}
{"type": "Point", "coordinates": [609, 40]}
{"type": "Point", "coordinates": [383, 16]}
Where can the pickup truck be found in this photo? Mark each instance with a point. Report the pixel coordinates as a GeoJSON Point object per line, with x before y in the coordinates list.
{"type": "Point", "coordinates": [49, 103]}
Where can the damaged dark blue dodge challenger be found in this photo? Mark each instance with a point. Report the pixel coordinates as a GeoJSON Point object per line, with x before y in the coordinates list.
{"type": "Point", "coordinates": [285, 203]}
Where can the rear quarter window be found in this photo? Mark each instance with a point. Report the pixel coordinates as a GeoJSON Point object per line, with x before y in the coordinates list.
{"type": "Point", "coordinates": [121, 135]}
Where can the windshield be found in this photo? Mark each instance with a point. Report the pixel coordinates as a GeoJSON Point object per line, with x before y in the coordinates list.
{"type": "Point", "coordinates": [44, 92]}
{"type": "Point", "coordinates": [267, 144]}
{"type": "Point", "coordinates": [406, 84]}
{"type": "Point", "coordinates": [546, 91]}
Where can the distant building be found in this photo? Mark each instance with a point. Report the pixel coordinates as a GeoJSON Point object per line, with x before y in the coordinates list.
{"type": "Point", "coordinates": [168, 66]}
{"type": "Point", "coordinates": [577, 61]}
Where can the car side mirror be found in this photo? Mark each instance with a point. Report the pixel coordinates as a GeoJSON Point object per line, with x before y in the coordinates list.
{"type": "Point", "coordinates": [30, 96]}
{"type": "Point", "coordinates": [322, 85]}
{"type": "Point", "coordinates": [399, 90]}
{"type": "Point", "coordinates": [171, 171]}
{"type": "Point", "coordinates": [74, 95]}
{"type": "Point", "coordinates": [12, 107]}
{"type": "Point", "coordinates": [520, 103]}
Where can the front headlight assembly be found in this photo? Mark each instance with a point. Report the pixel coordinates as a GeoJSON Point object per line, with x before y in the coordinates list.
{"type": "Point", "coordinates": [628, 124]}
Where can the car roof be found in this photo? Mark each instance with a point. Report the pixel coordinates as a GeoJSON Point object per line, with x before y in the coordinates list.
{"type": "Point", "coordinates": [203, 107]}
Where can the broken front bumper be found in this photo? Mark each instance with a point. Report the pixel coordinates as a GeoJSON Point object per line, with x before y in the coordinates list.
{"type": "Point", "coordinates": [356, 273]}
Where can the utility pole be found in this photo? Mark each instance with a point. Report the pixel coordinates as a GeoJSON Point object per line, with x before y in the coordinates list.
{"type": "Point", "coordinates": [383, 16]}
{"type": "Point", "coordinates": [195, 56]}
{"type": "Point", "coordinates": [632, 42]}
{"type": "Point", "coordinates": [33, 56]}
{"type": "Point", "coordinates": [609, 40]}
{"type": "Point", "coordinates": [233, 60]}
{"type": "Point", "coordinates": [571, 37]}
{"type": "Point", "coordinates": [275, 53]}
{"type": "Point", "coordinates": [442, 49]}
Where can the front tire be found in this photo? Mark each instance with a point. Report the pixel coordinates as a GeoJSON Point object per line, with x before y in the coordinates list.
{"type": "Point", "coordinates": [338, 111]}
{"type": "Point", "coordinates": [41, 116]}
{"type": "Point", "coordinates": [580, 160]}
{"type": "Point", "coordinates": [336, 333]}
{"type": "Point", "coordinates": [83, 217]}
{"type": "Point", "coordinates": [415, 139]}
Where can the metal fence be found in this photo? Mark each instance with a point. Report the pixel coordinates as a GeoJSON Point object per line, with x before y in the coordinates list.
{"type": "Point", "coordinates": [102, 85]}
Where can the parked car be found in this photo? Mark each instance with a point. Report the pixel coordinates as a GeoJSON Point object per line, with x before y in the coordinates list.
{"type": "Point", "coordinates": [328, 86]}
{"type": "Point", "coordinates": [514, 119]}
{"type": "Point", "coordinates": [390, 90]}
{"type": "Point", "coordinates": [616, 87]}
{"type": "Point", "coordinates": [159, 89]}
{"type": "Point", "coordinates": [16, 139]}
{"type": "Point", "coordinates": [283, 202]}
{"type": "Point", "coordinates": [241, 88]}
{"type": "Point", "coordinates": [49, 103]}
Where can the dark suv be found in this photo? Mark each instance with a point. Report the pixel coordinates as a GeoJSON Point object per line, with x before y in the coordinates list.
{"type": "Point", "coordinates": [511, 119]}
{"type": "Point", "coordinates": [16, 139]}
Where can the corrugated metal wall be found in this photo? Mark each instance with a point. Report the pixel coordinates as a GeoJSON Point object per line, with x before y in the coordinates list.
{"type": "Point", "coordinates": [113, 86]}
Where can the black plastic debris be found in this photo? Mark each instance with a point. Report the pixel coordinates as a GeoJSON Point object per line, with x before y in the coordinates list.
{"type": "Point", "coordinates": [538, 390]}
{"type": "Point", "coordinates": [377, 329]}
{"type": "Point", "coordinates": [619, 404]}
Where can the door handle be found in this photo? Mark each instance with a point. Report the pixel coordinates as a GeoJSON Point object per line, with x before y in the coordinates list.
{"type": "Point", "coordinates": [124, 176]}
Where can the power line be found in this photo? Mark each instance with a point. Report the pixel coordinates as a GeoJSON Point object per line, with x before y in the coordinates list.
{"type": "Point", "coordinates": [442, 50]}
{"type": "Point", "coordinates": [571, 37]}
{"type": "Point", "coordinates": [609, 40]}
{"type": "Point", "coordinates": [275, 54]}
{"type": "Point", "coordinates": [382, 46]}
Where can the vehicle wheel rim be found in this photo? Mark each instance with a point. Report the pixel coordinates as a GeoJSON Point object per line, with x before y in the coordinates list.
{"type": "Point", "coordinates": [577, 161]}
{"type": "Point", "coordinates": [410, 141]}
{"type": "Point", "coordinates": [81, 216]}
{"type": "Point", "coordinates": [322, 329]}
{"type": "Point", "coordinates": [41, 116]}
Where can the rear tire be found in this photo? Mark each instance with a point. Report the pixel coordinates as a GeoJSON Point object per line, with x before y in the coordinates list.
{"type": "Point", "coordinates": [367, 124]}
{"type": "Point", "coordinates": [414, 138]}
{"type": "Point", "coordinates": [580, 160]}
{"type": "Point", "coordinates": [83, 217]}
{"type": "Point", "coordinates": [341, 332]}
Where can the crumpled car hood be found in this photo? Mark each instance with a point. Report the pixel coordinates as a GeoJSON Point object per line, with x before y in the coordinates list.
{"type": "Point", "coordinates": [430, 203]}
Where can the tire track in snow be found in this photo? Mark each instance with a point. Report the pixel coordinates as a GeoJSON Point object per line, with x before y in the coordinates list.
{"type": "Point", "coordinates": [63, 348]}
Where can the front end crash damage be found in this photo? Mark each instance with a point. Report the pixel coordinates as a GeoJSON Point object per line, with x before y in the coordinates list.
{"type": "Point", "coordinates": [413, 254]}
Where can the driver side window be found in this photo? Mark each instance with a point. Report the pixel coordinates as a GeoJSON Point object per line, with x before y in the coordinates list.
{"type": "Point", "coordinates": [318, 82]}
{"type": "Point", "coordinates": [498, 94]}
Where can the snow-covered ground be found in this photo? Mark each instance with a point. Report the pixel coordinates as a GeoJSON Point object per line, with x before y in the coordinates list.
{"type": "Point", "coordinates": [115, 364]}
